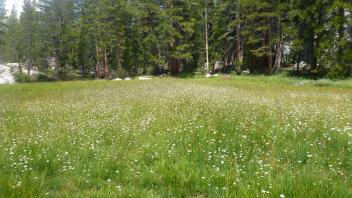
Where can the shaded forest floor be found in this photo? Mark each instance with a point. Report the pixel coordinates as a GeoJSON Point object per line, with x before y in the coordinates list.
{"type": "Point", "coordinates": [248, 136]}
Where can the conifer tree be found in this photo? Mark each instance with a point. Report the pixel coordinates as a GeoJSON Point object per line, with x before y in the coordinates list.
{"type": "Point", "coordinates": [134, 37]}
{"type": "Point", "coordinates": [57, 18]}
{"type": "Point", "coordinates": [12, 48]}
{"type": "Point", "coordinates": [2, 27]}
{"type": "Point", "coordinates": [29, 33]}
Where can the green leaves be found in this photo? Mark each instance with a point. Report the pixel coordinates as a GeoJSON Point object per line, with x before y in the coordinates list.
{"type": "Point", "coordinates": [140, 36]}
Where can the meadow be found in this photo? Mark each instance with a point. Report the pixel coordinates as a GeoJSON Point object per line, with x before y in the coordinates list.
{"type": "Point", "coordinates": [220, 137]}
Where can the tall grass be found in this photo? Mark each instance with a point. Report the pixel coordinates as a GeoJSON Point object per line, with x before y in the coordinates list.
{"type": "Point", "coordinates": [222, 137]}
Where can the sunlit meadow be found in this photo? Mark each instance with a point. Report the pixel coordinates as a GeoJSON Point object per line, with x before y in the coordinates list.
{"type": "Point", "coordinates": [223, 137]}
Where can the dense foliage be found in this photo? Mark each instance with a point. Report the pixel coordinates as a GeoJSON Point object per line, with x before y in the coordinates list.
{"type": "Point", "coordinates": [119, 37]}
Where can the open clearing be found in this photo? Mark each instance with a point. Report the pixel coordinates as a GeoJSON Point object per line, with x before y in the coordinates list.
{"type": "Point", "coordinates": [239, 137]}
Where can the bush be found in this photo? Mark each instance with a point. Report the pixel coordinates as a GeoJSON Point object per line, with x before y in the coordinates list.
{"type": "Point", "coordinates": [47, 76]}
{"type": "Point", "coordinates": [122, 73]}
{"type": "Point", "coordinates": [43, 77]}
{"type": "Point", "coordinates": [24, 78]}
{"type": "Point", "coordinates": [66, 75]}
{"type": "Point", "coordinates": [338, 72]}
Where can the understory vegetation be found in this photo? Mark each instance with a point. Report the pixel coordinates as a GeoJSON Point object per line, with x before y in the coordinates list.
{"type": "Point", "coordinates": [220, 137]}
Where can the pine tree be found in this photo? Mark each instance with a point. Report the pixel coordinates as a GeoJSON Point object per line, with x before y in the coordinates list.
{"type": "Point", "coordinates": [334, 49]}
{"type": "Point", "coordinates": [310, 20]}
{"type": "Point", "coordinates": [28, 33]}
{"type": "Point", "coordinates": [2, 27]}
{"type": "Point", "coordinates": [117, 11]}
{"type": "Point", "coordinates": [153, 22]}
{"type": "Point", "coordinates": [227, 34]}
{"type": "Point", "coordinates": [151, 36]}
{"type": "Point", "coordinates": [57, 17]}
{"type": "Point", "coordinates": [85, 47]}
{"type": "Point", "coordinates": [181, 30]}
{"type": "Point", "coordinates": [13, 51]}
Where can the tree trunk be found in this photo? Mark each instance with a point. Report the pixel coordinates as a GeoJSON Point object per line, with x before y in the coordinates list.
{"type": "Point", "coordinates": [117, 54]}
{"type": "Point", "coordinates": [278, 49]}
{"type": "Point", "coordinates": [238, 45]}
{"type": "Point", "coordinates": [314, 62]}
{"type": "Point", "coordinates": [174, 66]}
{"type": "Point", "coordinates": [270, 63]}
{"type": "Point", "coordinates": [30, 50]}
{"type": "Point", "coordinates": [57, 61]}
{"type": "Point", "coordinates": [316, 42]}
{"type": "Point", "coordinates": [20, 67]}
{"type": "Point", "coordinates": [160, 67]}
{"type": "Point", "coordinates": [105, 65]}
{"type": "Point", "coordinates": [29, 66]}
{"type": "Point", "coordinates": [298, 62]}
{"type": "Point", "coordinates": [206, 39]}
{"type": "Point", "coordinates": [238, 56]}
{"type": "Point", "coordinates": [238, 34]}
{"type": "Point", "coordinates": [340, 58]}
{"type": "Point", "coordinates": [98, 61]}
{"type": "Point", "coordinates": [270, 54]}
{"type": "Point", "coordinates": [57, 50]}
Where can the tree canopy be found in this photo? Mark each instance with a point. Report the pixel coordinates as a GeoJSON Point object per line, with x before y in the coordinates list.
{"type": "Point", "coordinates": [110, 38]}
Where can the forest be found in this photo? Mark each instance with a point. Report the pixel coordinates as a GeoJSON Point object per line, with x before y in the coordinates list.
{"type": "Point", "coordinates": [119, 38]}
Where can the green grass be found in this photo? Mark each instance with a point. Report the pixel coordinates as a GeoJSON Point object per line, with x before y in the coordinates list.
{"type": "Point", "coordinates": [221, 137]}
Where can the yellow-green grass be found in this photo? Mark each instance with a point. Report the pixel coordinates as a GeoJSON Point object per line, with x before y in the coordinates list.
{"type": "Point", "coordinates": [222, 137]}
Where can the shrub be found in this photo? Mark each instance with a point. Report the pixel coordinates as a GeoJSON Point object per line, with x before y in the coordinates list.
{"type": "Point", "coordinates": [122, 73]}
{"type": "Point", "coordinates": [24, 78]}
{"type": "Point", "coordinates": [338, 72]}
{"type": "Point", "coordinates": [43, 77]}
{"type": "Point", "coordinates": [66, 75]}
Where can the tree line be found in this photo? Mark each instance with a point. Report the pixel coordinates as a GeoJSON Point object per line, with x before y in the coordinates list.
{"type": "Point", "coordinates": [110, 38]}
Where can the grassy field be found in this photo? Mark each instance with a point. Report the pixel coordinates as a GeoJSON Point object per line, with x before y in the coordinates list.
{"type": "Point", "coordinates": [221, 137]}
